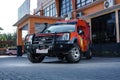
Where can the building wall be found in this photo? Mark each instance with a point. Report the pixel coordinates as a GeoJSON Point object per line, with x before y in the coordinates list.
{"type": "Point", "coordinates": [89, 11]}
{"type": "Point", "coordinates": [117, 1]}
{"type": "Point", "coordinates": [94, 7]}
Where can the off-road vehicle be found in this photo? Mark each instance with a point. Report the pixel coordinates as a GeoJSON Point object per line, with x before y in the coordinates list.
{"type": "Point", "coordinates": [67, 39]}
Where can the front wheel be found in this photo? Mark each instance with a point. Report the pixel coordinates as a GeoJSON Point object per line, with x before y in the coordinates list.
{"type": "Point", "coordinates": [35, 58]}
{"type": "Point", "coordinates": [74, 54]}
{"type": "Point", "coordinates": [61, 57]}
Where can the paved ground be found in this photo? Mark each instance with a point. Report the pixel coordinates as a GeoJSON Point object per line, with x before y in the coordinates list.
{"type": "Point", "coordinates": [19, 68]}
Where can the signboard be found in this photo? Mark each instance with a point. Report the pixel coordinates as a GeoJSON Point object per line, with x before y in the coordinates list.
{"type": "Point", "coordinates": [24, 9]}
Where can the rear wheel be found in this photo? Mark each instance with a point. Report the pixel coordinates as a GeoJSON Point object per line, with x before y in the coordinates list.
{"type": "Point", "coordinates": [74, 54]}
{"type": "Point", "coordinates": [35, 58]}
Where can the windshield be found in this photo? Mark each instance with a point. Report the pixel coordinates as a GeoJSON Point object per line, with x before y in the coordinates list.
{"type": "Point", "coordinates": [60, 28]}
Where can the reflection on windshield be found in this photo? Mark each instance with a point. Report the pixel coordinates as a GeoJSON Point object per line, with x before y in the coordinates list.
{"type": "Point", "coordinates": [60, 28]}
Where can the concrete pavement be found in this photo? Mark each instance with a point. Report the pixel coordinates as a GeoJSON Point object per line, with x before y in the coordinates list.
{"type": "Point", "coordinates": [19, 68]}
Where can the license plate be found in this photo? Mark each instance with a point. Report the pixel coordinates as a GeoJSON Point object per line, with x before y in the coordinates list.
{"type": "Point", "coordinates": [44, 51]}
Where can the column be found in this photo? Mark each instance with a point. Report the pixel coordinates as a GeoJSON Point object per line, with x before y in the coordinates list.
{"type": "Point", "coordinates": [74, 8]}
{"type": "Point", "coordinates": [19, 42]}
{"type": "Point", "coordinates": [57, 3]}
{"type": "Point", "coordinates": [31, 26]}
{"type": "Point", "coordinates": [41, 13]}
{"type": "Point", "coordinates": [117, 26]}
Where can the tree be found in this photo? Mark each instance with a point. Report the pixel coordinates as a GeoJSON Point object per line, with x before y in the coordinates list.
{"type": "Point", "coordinates": [1, 28]}
{"type": "Point", "coordinates": [8, 39]}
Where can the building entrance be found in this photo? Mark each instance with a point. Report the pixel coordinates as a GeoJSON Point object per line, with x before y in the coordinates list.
{"type": "Point", "coordinates": [104, 29]}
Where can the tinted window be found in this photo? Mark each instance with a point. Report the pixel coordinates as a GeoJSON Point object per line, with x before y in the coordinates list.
{"type": "Point", "coordinates": [66, 7]}
{"type": "Point", "coordinates": [50, 10]}
{"type": "Point", "coordinates": [81, 3]}
{"type": "Point", "coordinates": [104, 29]}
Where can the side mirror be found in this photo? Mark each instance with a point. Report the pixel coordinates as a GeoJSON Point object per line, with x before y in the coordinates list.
{"type": "Point", "coordinates": [80, 32]}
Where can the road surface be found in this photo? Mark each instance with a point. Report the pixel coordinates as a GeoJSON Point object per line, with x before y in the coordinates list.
{"type": "Point", "coordinates": [19, 68]}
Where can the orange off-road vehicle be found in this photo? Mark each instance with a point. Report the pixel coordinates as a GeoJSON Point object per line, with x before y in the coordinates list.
{"type": "Point", "coordinates": [68, 40]}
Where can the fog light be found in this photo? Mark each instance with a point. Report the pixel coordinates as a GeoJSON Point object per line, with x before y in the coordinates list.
{"type": "Point", "coordinates": [27, 47]}
{"type": "Point", "coordinates": [61, 46]}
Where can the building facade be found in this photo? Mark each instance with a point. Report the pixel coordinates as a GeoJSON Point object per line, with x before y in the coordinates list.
{"type": "Point", "coordinates": [103, 16]}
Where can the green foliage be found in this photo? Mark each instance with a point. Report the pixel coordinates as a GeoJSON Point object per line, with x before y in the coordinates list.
{"type": "Point", "coordinates": [8, 39]}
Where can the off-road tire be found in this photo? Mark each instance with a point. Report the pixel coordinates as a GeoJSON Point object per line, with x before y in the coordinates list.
{"type": "Point", "coordinates": [35, 58]}
{"type": "Point", "coordinates": [74, 55]}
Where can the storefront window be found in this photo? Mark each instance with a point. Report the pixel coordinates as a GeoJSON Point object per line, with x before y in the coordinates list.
{"type": "Point", "coordinates": [104, 29]}
{"type": "Point", "coordinates": [81, 3]}
{"type": "Point", "coordinates": [50, 10]}
{"type": "Point", "coordinates": [66, 7]}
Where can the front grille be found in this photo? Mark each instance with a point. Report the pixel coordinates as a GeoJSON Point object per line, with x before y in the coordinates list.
{"type": "Point", "coordinates": [43, 40]}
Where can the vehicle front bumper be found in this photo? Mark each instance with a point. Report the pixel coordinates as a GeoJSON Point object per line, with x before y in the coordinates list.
{"type": "Point", "coordinates": [58, 47]}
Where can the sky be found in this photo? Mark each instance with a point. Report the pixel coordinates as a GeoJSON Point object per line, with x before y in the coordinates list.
{"type": "Point", "coordinates": [9, 14]}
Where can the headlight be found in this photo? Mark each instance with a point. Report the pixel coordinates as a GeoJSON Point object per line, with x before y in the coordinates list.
{"type": "Point", "coordinates": [66, 36]}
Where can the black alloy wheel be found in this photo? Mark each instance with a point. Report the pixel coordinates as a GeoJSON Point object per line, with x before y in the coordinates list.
{"type": "Point", "coordinates": [35, 58]}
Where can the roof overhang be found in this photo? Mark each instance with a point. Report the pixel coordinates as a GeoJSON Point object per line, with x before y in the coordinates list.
{"type": "Point", "coordinates": [28, 16]}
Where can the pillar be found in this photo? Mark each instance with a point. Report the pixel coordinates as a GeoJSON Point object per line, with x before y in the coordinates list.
{"type": "Point", "coordinates": [74, 8]}
{"type": "Point", "coordinates": [41, 13]}
{"type": "Point", "coordinates": [31, 26]}
{"type": "Point", "coordinates": [117, 26]}
{"type": "Point", "coordinates": [19, 42]}
{"type": "Point", "coordinates": [57, 3]}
